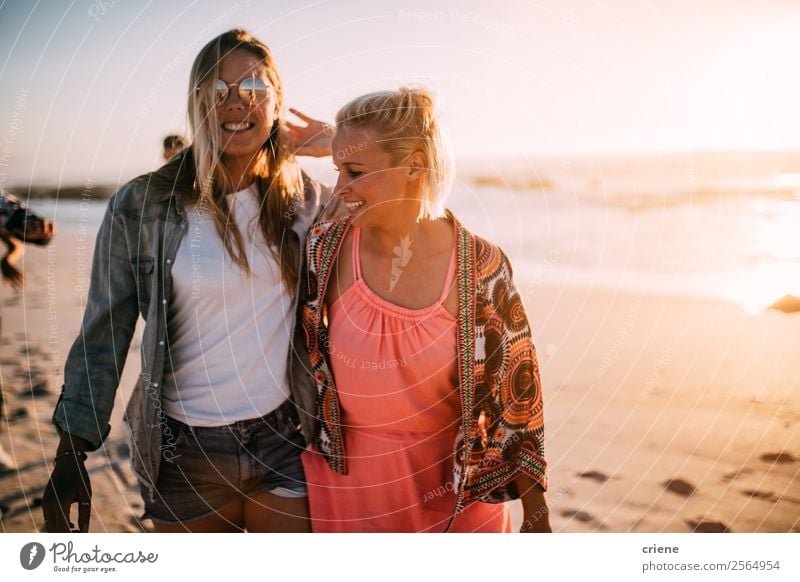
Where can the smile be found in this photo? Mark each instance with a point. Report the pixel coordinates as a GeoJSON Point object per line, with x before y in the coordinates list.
{"type": "Point", "coordinates": [351, 206]}
{"type": "Point", "coordinates": [238, 126]}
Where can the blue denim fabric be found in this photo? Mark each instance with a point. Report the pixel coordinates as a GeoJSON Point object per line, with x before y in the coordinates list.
{"type": "Point", "coordinates": [204, 468]}
{"type": "Point", "coordinates": [131, 276]}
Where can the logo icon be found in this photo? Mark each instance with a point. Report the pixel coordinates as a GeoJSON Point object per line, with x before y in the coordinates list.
{"type": "Point", "coordinates": [31, 555]}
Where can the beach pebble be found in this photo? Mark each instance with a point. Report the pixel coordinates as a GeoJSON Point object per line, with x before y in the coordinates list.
{"type": "Point", "coordinates": [679, 487]}
{"type": "Point", "coordinates": [703, 526]}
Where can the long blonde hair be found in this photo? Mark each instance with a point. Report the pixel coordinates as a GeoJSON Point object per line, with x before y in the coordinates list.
{"type": "Point", "coordinates": [404, 121]}
{"type": "Point", "coordinates": [278, 178]}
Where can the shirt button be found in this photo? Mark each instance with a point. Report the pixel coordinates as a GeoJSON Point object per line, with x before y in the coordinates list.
{"type": "Point", "coordinates": [169, 261]}
{"type": "Point", "coordinates": [164, 301]}
{"type": "Point", "coordinates": [161, 343]}
{"type": "Point", "coordinates": [155, 384]}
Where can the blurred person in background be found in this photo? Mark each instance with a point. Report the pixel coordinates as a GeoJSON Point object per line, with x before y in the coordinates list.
{"type": "Point", "coordinates": [173, 145]}
{"type": "Point", "coordinates": [18, 225]}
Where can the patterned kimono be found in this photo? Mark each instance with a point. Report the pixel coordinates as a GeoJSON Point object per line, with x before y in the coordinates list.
{"type": "Point", "coordinates": [501, 432]}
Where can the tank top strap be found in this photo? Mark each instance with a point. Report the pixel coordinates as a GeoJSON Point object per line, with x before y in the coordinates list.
{"type": "Point", "coordinates": [356, 254]}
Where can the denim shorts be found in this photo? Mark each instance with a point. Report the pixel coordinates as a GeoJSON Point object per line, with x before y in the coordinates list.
{"type": "Point", "coordinates": [203, 469]}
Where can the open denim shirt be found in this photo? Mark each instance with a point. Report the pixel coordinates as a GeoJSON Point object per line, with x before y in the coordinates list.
{"type": "Point", "coordinates": [131, 275]}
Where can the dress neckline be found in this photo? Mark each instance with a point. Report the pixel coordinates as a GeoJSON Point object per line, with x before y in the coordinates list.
{"type": "Point", "coordinates": [384, 304]}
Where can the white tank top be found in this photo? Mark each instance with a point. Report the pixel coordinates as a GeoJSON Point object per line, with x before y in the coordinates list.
{"type": "Point", "coordinates": [228, 332]}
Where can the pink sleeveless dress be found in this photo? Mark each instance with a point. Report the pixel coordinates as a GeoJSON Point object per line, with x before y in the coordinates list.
{"type": "Point", "coordinates": [396, 377]}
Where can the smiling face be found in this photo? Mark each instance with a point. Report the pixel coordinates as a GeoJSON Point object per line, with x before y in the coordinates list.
{"type": "Point", "coordinates": [376, 190]}
{"type": "Point", "coordinates": [244, 126]}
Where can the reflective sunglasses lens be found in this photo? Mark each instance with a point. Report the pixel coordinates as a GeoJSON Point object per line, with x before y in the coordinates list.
{"type": "Point", "coordinates": [220, 91]}
{"type": "Point", "coordinates": [253, 90]}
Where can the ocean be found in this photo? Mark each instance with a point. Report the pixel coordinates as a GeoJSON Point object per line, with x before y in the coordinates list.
{"type": "Point", "coordinates": [723, 226]}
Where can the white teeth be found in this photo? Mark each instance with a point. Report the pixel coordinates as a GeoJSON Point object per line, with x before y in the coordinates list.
{"type": "Point", "coordinates": [244, 125]}
{"type": "Point", "coordinates": [354, 205]}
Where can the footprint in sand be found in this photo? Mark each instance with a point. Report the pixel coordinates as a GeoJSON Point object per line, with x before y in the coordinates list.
{"type": "Point", "coordinates": [679, 487]}
{"type": "Point", "coordinates": [707, 526]}
{"type": "Point", "coordinates": [769, 496]}
{"type": "Point", "coordinates": [781, 458]}
{"type": "Point", "coordinates": [581, 516]}
{"type": "Point", "coordinates": [731, 476]}
{"type": "Point", "coordinates": [17, 414]}
{"type": "Point", "coordinates": [764, 495]}
{"type": "Point", "coordinates": [38, 389]}
{"type": "Point", "coordinates": [594, 476]}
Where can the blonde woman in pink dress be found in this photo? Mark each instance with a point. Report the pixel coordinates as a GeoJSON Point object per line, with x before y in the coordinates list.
{"type": "Point", "coordinates": [429, 401]}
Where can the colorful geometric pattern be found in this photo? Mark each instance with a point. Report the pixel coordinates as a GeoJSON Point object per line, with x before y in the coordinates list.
{"type": "Point", "coordinates": [502, 420]}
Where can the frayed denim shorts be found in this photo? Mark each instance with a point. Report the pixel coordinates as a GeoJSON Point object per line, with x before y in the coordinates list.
{"type": "Point", "coordinates": [204, 468]}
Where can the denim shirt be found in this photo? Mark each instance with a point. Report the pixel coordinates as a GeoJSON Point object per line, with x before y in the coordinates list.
{"type": "Point", "coordinates": [132, 275]}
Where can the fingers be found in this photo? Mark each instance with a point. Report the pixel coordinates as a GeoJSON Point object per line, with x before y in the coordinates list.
{"type": "Point", "coordinates": [56, 516]}
{"type": "Point", "coordinates": [84, 502]}
{"type": "Point", "coordinates": [302, 116]}
{"type": "Point", "coordinates": [84, 514]}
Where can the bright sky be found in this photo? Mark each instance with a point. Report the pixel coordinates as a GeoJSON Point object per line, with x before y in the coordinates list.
{"type": "Point", "coordinates": [89, 88]}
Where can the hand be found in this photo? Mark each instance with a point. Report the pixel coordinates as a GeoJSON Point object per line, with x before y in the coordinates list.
{"type": "Point", "coordinates": [539, 525]}
{"type": "Point", "coordinates": [69, 483]}
{"type": "Point", "coordinates": [536, 515]}
{"type": "Point", "coordinates": [314, 139]}
{"type": "Point", "coordinates": [12, 274]}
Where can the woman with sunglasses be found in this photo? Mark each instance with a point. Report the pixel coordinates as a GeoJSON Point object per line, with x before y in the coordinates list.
{"type": "Point", "coordinates": [208, 250]}
{"type": "Point", "coordinates": [430, 403]}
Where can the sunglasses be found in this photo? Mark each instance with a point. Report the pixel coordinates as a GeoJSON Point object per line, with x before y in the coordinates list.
{"type": "Point", "coordinates": [251, 90]}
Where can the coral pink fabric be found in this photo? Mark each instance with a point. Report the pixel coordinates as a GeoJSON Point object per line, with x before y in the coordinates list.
{"type": "Point", "coordinates": [395, 372]}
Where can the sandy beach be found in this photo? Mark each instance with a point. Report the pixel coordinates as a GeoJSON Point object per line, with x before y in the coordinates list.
{"type": "Point", "coordinates": [663, 414]}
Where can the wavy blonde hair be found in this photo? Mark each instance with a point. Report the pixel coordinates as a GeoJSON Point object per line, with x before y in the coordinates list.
{"type": "Point", "coordinates": [278, 178]}
{"type": "Point", "coordinates": [405, 121]}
